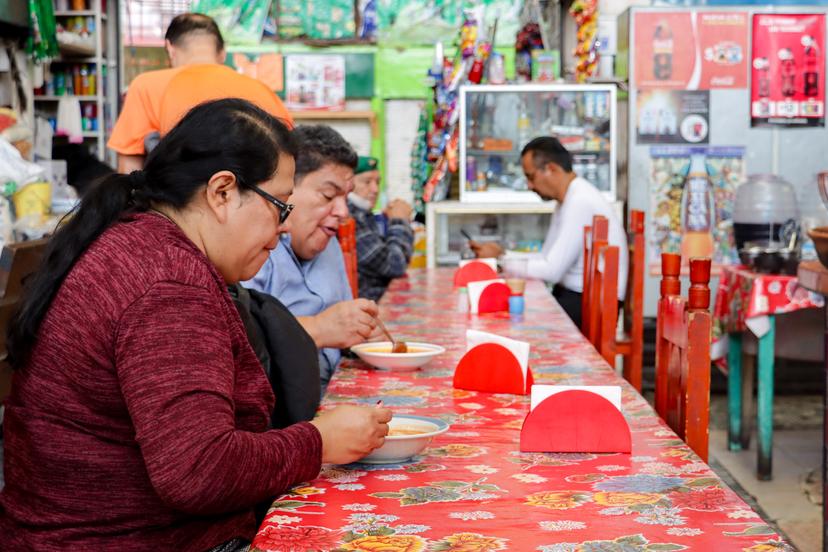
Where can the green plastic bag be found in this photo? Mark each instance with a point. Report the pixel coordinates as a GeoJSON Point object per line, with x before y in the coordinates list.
{"type": "Point", "coordinates": [42, 42]}
{"type": "Point", "coordinates": [240, 21]}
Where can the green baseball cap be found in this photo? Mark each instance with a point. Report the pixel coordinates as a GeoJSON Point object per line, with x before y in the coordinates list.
{"type": "Point", "coordinates": [366, 164]}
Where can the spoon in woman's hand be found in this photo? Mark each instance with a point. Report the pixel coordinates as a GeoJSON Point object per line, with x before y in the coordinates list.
{"type": "Point", "coordinates": [396, 346]}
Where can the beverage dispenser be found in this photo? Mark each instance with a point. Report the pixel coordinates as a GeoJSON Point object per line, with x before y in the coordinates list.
{"type": "Point", "coordinates": [763, 204]}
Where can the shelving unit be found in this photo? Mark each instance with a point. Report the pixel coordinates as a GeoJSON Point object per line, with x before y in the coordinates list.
{"type": "Point", "coordinates": [100, 60]}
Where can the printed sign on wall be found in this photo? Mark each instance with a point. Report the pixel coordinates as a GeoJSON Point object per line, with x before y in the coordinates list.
{"type": "Point", "coordinates": [673, 117]}
{"type": "Point", "coordinates": [691, 50]}
{"type": "Point", "coordinates": [788, 70]}
{"type": "Point", "coordinates": [315, 82]}
{"type": "Point", "coordinates": [692, 195]}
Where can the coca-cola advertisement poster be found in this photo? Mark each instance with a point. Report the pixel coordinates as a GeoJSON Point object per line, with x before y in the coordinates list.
{"type": "Point", "coordinates": [693, 191]}
{"type": "Point", "coordinates": [673, 117]}
{"type": "Point", "coordinates": [691, 50]}
{"type": "Point", "coordinates": [788, 70]}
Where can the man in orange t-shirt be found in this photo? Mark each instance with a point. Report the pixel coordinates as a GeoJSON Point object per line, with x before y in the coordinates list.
{"type": "Point", "coordinates": [201, 83]}
{"type": "Point", "coordinates": [192, 41]}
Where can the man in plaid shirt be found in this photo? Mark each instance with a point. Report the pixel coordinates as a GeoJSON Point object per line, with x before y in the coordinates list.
{"type": "Point", "coordinates": [381, 256]}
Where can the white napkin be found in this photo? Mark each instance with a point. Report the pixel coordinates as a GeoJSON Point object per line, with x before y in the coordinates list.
{"type": "Point", "coordinates": [476, 288]}
{"type": "Point", "coordinates": [491, 261]}
{"type": "Point", "coordinates": [610, 392]}
{"type": "Point", "coordinates": [518, 348]}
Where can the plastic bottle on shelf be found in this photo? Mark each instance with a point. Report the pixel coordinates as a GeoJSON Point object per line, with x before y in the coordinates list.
{"type": "Point", "coordinates": [93, 123]}
{"type": "Point", "coordinates": [77, 81]}
{"type": "Point", "coordinates": [60, 83]}
{"type": "Point", "coordinates": [697, 211]}
{"type": "Point", "coordinates": [92, 81]}
{"type": "Point", "coordinates": [524, 126]}
{"type": "Point", "coordinates": [84, 75]}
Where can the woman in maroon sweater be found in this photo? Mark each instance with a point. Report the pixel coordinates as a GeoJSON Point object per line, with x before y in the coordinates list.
{"type": "Point", "coordinates": [138, 418]}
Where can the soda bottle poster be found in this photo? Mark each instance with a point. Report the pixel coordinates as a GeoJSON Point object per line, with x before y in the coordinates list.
{"type": "Point", "coordinates": [690, 50]}
{"type": "Point", "coordinates": [692, 195]}
{"type": "Point", "coordinates": [788, 70]}
{"type": "Point", "coordinates": [673, 117]}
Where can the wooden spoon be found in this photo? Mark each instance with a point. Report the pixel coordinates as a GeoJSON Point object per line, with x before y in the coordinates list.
{"type": "Point", "coordinates": [396, 346]}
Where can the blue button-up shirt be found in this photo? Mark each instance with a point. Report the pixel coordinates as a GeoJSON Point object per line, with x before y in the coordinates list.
{"type": "Point", "coordinates": [306, 288]}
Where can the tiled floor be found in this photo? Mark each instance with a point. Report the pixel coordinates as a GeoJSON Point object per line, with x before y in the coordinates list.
{"type": "Point", "coordinates": [792, 499]}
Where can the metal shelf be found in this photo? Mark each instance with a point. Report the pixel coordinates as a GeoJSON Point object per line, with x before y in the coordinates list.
{"type": "Point", "coordinates": [78, 13]}
{"type": "Point", "coordinates": [58, 98]}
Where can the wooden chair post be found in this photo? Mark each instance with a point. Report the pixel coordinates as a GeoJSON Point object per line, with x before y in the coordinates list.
{"type": "Point", "coordinates": [586, 277]}
{"type": "Point", "coordinates": [607, 267]}
{"type": "Point", "coordinates": [590, 319]}
{"type": "Point", "coordinates": [347, 241]}
{"type": "Point", "coordinates": [633, 345]}
{"type": "Point", "coordinates": [670, 286]}
{"type": "Point", "coordinates": [696, 371]}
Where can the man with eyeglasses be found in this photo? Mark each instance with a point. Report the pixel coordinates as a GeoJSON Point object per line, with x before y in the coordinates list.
{"type": "Point", "coordinates": [307, 271]}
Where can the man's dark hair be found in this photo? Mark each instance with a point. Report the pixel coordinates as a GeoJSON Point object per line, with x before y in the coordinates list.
{"type": "Point", "coordinates": [546, 149]}
{"type": "Point", "coordinates": [319, 145]}
{"type": "Point", "coordinates": [189, 24]}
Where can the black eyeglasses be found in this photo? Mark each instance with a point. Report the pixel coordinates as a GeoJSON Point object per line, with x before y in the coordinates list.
{"type": "Point", "coordinates": [284, 208]}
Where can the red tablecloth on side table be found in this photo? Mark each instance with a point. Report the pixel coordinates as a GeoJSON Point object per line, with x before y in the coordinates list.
{"type": "Point", "coordinates": [745, 298]}
{"type": "Point", "coordinates": [472, 490]}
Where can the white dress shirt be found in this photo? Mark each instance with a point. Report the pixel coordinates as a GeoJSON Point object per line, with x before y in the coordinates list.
{"type": "Point", "coordinates": [561, 261]}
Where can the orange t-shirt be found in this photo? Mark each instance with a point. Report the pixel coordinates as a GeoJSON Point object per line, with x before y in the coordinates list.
{"type": "Point", "coordinates": [197, 84]}
{"type": "Point", "coordinates": [140, 114]}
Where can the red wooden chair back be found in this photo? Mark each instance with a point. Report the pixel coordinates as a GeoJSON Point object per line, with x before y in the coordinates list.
{"type": "Point", "coordinates": [631, 342]}
{"type": "Point", "coordinates": [683, 352]}
{"type": "Point", "coordinates": [17, 262]}
{"type": "Point", "coordinates": [586, 278]}
{"type": "Point", "coordinates": [590, 311]}
{"type": "Point", "coordinates": [605, 284]}
{"type": "Point", "coordinates": [347, 241]}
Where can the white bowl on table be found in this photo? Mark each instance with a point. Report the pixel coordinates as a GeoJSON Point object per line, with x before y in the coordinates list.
{"type": "Point", "coordinates": [407, 437]}
{"type": "Point", "coordinates": [379, 355]}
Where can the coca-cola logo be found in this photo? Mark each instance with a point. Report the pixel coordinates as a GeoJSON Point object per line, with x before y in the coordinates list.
{"type": "Point", "coordinates": [665, 45]}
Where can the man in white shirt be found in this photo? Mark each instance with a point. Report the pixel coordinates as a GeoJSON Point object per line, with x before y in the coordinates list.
{"type": "Point", "coordinates": [548, 169]}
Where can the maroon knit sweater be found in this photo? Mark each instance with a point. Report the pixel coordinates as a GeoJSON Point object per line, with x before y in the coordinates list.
{"type": "Point", "coordinates": [140, 422]}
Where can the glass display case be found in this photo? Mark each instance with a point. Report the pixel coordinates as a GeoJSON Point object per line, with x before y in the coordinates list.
{"type": "Point", "coordinates": [516, 226]}
{"type": "Point", "coordinates": [496, 121]}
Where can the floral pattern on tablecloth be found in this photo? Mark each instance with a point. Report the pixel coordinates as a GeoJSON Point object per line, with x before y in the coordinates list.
{"type": "Point", "coordinates": [744, 294]}
{"type": "Point", "coordinates": [472, 490]}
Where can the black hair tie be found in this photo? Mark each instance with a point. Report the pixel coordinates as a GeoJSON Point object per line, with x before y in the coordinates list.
{"type": "Point", "coordinates": [138, 180]}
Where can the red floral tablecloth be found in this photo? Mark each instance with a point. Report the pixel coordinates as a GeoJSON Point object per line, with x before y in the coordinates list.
{"type": "Point", "coordinates": [743, 295]}
{"type": "Point", "coordinates": [473, 491]}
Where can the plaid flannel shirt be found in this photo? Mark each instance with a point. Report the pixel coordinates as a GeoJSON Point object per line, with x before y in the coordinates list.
{"type": "Point", "coordinates": [380, 258]}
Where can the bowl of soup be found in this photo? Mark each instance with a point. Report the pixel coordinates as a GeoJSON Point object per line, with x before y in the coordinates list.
{"type": "Point", "coordinates": [379, 355]}
{"type": "Point", "coordinates": [407, 436]}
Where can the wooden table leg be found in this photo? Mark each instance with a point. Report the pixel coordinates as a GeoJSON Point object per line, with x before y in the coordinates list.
{"type": "Point", "coordinates": [825, 443]}
{"type": "Point", "coordinates": [748, 403]}
{"type": "Point", "coordinates": [764, 400]}
{"type": "Point", "coordinates": [734, 391]}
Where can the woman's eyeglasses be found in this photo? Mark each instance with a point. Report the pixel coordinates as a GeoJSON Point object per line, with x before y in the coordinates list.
{"type": "Point", "coordinates": [284, 208]}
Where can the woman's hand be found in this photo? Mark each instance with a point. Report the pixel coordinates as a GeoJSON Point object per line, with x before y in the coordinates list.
{"type": "Point", "coordinates": [351, 432]}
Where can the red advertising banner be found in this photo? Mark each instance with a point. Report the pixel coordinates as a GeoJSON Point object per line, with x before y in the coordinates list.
{"type": "Point", "coordinates": [723, 44]}
{"type": "Point", "coordinates": [691, 50]}
{"type": "Point", "coordinates": [788, 70]}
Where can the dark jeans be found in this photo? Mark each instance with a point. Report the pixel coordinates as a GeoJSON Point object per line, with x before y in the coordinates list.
{"type": "Point", "coordinates": [570, 302]}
